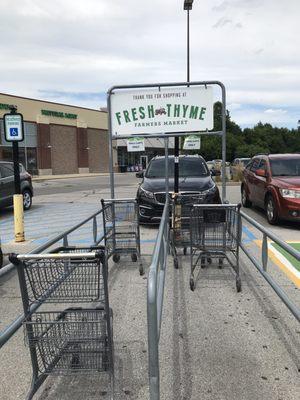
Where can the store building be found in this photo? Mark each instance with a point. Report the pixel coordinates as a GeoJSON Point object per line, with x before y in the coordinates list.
{"type": "Point", "coordinates": [59, 138]}
{"type": "Point", "coordinates": [65, 139]}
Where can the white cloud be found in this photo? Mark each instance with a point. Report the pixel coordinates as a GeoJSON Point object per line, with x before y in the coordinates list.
{"type": "Point", "coordinates": [278, 111]}
{"type": "Point", "coordinates": [86, 46]}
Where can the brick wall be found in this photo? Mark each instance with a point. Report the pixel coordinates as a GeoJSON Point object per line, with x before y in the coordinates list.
{"type": "Point", "coordinates": [63, 140]}
{"type": "Point", "coordinates": [98, 150]}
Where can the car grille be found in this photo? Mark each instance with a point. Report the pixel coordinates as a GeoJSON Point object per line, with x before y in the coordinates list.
{"type": "Point", "coordinates": [194, 197]}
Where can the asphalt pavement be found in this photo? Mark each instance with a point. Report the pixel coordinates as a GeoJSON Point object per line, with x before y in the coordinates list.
{"type": "Point", "coordinates": [215, 344]}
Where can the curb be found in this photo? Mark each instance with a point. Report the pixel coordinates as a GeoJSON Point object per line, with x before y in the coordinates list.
{"type": "Point", "coordinates": [73, 176]}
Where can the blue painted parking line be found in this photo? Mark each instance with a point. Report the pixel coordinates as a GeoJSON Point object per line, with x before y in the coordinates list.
{"type": "Point", "coordinates": [249, 234]}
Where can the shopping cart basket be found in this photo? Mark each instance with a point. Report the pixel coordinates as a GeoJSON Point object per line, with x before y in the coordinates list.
{"type": "Point", "coordinates": [215, 234]}
{"type": "Point", "coordinates": [74, 339]}
{"type": "Point", "coordinates": [182, 206]}
{"type": "Point", "coordinates": [121, 229]}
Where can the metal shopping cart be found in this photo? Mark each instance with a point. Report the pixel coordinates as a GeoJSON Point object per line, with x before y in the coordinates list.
{"type": "Point", "coordinates": [121, 229]}
{"type": "Point", "coordinates": [215, 234]}
{"type": "Point", "coordinates": [73, 339]}
{"type": "Point", "coordinates": [182, 206]}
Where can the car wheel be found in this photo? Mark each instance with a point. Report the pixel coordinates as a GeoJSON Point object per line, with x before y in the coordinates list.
{"type": "Point", "coordinates": [27, 199]}
{"type": "Point", "coordinates": [272, 213]}
{"type": "Point", "coordinates": [245, 201]}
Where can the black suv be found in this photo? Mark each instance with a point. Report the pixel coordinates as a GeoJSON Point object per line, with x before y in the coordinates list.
{"type": "Point", "coordinates": [195, 181]}
{"type": "Point", "coordinates": [7, 186]}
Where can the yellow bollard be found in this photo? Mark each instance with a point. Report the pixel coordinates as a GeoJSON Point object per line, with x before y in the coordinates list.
{"type": "Point", "coordinates": [19, 218]}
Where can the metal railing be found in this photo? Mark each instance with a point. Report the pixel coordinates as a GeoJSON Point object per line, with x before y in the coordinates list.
{"type": "Point", "coordinates": [262, 267]}
{"type": "Point", "coordinates": [155, 296]}
{"type": "Point", "coordinates": [9, 331]}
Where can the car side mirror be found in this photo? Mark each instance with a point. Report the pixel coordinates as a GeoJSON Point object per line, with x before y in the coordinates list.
{"type": "Point", "coordinates": [140, 174]}
{"type": "Point", "coordinates": [261, 172]}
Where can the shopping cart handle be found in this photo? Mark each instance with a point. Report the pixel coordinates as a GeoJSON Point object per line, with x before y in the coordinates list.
{"type": "Point", "coordinates": [15, 258]}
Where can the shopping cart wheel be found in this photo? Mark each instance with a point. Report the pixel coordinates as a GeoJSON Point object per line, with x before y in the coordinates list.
{"type": "Point", "coordinates": [134, 257]}
{"type": "Point", "coordinates": [202, 262]}
{"type": "Point", "coordinates": [192, 284]}
{"type": "Point", "coordinates": [238, 283]}
{"type": "Point", "coordinates": [141, 270]}
{"type": "Point", "coordinates": [184, 251]}
{"type": "Point", "coordinates": [220, 263]}
{"type": "Point", "coordinates": [209, 260]}
{"type": "Point", "coordinates": [175, 263]}
{"type": "Point", "coordinates": [116, 258]}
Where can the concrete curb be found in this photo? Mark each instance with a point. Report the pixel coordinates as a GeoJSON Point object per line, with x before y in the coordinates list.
{"type": "Point", "coordinates": [72, 176]}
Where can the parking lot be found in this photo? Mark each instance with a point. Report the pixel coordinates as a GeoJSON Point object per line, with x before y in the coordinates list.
{"type": "Point", "coordinates": [214, 342]}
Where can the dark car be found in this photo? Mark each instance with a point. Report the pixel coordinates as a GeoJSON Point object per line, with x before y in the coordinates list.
{"type": "Point", "coordinates": [7, 188]}
{"type": "Point", "coordinates": [195, 181]}
{"type": "Point", "coordinates": [272, 182]}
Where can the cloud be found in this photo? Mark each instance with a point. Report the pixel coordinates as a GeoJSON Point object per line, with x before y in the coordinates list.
{"type": "Point", "coordinates": [275, 111]}
{"type": "Point", "coordinates": [73, 51]}
{"type": "Point", "coordinates": [222, 22]}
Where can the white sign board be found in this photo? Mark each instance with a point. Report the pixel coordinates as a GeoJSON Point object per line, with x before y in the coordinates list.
{"type": "Point", "coordinates": [168, 110]}
{"type": "Point", "coordinates": [13, 127]}
{"type": "Point", "coordinates": [136, 144]}
{"type": "Point", "coordinates": [192, 143]}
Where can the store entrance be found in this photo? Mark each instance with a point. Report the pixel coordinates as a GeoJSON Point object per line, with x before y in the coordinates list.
{"type": "Point", "coordinates": [144, 161]}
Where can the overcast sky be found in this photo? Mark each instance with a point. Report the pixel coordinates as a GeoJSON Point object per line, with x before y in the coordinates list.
{"type": "Point", "coordinates": [72, 51]}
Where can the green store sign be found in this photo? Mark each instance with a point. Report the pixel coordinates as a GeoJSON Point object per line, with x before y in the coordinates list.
{"type": "Point", "coordinates": [58, 114]}
{"type": "Point", "coordinates": [4, 106]}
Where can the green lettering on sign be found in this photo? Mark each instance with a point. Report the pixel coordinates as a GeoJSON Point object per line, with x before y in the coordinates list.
{"type": "Point", "coordinates": [58, 114]}
{"type": "Point", "coordinates": [4, 106]}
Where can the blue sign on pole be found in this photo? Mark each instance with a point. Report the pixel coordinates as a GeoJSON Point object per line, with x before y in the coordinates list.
{"type": "Point", "coordinates": [13, 131]}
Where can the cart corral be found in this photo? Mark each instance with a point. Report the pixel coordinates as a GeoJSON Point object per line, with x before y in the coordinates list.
{"type": "Point", "coordinates": [92, 311]}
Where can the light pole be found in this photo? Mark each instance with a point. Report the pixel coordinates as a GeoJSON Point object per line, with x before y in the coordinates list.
{"type": "Point", "coordinates": [188, 5]}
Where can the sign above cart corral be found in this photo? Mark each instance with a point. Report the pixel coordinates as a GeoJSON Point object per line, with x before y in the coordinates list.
{"type": "Point", "coordinates": [168, 110]}
{"type": "Point", "coordinates": [136, 144]}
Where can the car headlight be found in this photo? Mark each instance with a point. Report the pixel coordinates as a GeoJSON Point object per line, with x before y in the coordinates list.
{"type": "Point", "coordinates": [210, 190]}
{"type": "Point", "coordinates": [146, 193]}
{"type": "Point", "coordinates": [290, 194]}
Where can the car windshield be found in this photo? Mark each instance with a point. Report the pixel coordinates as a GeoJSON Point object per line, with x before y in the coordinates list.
{"type": "Point", "coordinates": [188, 167]}
{"type": "Point", "coordinates": [245, 161]}
{"type": "Point", "coordinates": [285, 167]}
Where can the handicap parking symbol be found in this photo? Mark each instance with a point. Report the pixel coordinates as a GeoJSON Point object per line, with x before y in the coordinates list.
{"type": "Point", "coordinates": [13, 131]}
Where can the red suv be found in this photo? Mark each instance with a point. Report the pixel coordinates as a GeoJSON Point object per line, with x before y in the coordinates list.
{"type": "Point", "coordinates": [273, 183]}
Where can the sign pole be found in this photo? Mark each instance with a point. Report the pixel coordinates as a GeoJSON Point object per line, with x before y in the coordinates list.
{"type": "Point", "coordinates": [16, 167]}
{"type": "Point", "coordinates": [14, 132]}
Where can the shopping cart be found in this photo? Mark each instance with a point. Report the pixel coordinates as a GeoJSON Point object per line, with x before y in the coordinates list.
{"type": "Point", "coordinates": [121, 229]}
{"type": "Point", "coordinates": [215, 234]}
{"type": "Point", "coordinates": [182, 206]}
{"type": "Point", "coordinates": [73, 339]}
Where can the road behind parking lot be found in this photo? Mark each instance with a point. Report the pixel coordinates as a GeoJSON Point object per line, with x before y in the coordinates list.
{"type": "Point", "coordinates": [215, 344]}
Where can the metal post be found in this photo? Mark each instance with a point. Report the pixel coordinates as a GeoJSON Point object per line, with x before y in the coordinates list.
{"type": "Point", "coordinates": [188, 45]}
{"type": "Point", "coordinates": [176, 164]}
{"type": "Point", "coordinates": [18, 198]}
{"type": "Point", "coordinates": [16, 167]}
{"type": "Point", "coordinates": [223, 145]}
{"type": "Point", "coordinates": [167, 167]}
{"type": "Point", "coordinates": [95, 229]}
{"type": "Point", "coordinates": [111, 161]}
{"type": "Point", "coordinates": [264, 252]}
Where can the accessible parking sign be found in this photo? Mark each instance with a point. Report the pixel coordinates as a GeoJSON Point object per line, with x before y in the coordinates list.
{"type": "Point", "coordinates": [13, 127]}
